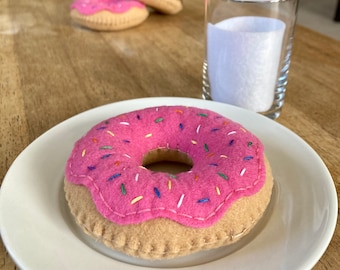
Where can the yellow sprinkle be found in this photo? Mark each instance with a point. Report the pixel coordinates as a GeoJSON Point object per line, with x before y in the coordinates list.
{"type": "Point", "coordinates": [179, 111]}
{"type": "Point", "coordinates": [137, 199]}
{"type": "Point", "coordinates": [193, 142]}
{"type": "Point", "coordinates": [169, 184]}
{"type": "Point", "coordinates": [83, 153]}
{"type": "Point", "coordinates": [110, 132]}
{"type": "Point", "coordinates": [148, 135]}
{"type": "Point", "coordinates": [218, 191]}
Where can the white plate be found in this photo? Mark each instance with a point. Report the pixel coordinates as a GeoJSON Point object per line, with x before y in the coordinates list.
{"type": "Point", "coordinates": [38, 232]}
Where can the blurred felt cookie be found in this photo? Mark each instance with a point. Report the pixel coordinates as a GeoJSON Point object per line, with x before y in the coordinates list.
{"type": "Point", "coordinates": [165, 6]}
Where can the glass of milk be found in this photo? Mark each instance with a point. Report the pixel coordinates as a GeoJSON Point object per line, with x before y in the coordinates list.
{"type": "Point", "coordinates": [248, 46]}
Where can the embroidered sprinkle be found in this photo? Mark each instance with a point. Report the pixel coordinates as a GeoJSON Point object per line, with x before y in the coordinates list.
{"type": "Point", "coordinates": [122, 188]}
{"type": "Point", "coordinates": [206, 148]}
{"type": "Point", "coordinates": [250, 144]}
{"type": "Point", "coordinates": [126, 141]}
{"type": "Point", "coordinates": [105, 147]}
{"type": "Point", "coordinates": [181, 126]}
{"type": "Point", "coordinates": [180, 201]}
{"type": "Point", "coordinates": [158, 194]}
{"type": "Point", "coordinates": [110, 133]}
{"type": "Point", "coordinates": [231, 142]}
{"type": "Point", "coordinates": [203, 200]}
{"type": "Point", "coordinates": [202, 114]}
{"type": "Point", "coordinates": [214, 129]}
{"type": "Point", "coordinates": [83, 153]}
{"type": "Point", "coordinates": [124, 123]}
{"type": "Point", "coordinates": [218, 191]}
{"type": "Point", "coordinates": [248, 158]}
{"type": "Point", "coordinates": [105, 156]}
{"type": "Point", "coordinates": [213, 164]}
{"type": "Point", "coordinates": [198, 129]}
{"type": "Point", "coordinates": [173, 176]}
{"type": "Point", "coordinates": [169, 184]}
{"type": "Point", "coordinates": [223, 176]}
{"type": "Point", "coordinates": [160, 119]}
{"type": "Point", "coordinates": [101, 128]}
{"type": "Point", "coordinates": [223, 156]}
{"type": "Point", "coordinates": [136, 177]}
{"type": "Point", "coordinates": [137, 199]}
{"type": "Point", "coordinates": [231, 132]}
{"type": "Point", "coordinates": [148, 135]}
{"type": "Point", "coordinates": [91, 168]}
{"type": "Point", "coordinates": [138, 116]}
{"type": "Point", "coordinates": [243, 171]}
{"type": "Point", "coordinates": [194, 142]}
{"type": "Point", "coordinates": [116, 175]}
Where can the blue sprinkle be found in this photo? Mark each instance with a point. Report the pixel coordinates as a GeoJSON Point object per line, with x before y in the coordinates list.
{"type": "Point", "coordinates": [100, 128]}
{"type": "Point", "coordinates": [105, 156]}
{"type": "Point", "coordinates": [116, 175]}
{"type": "Point", "coordinates": [181, 126]}
{"type": "Point", "coordinates": [203, 200]}
{"type": "Point", "coordinates": [214, 129]}
{"type": "Point", "coordinates": [158, 194]}
{"type": "Point", "coordinates": [231, 142]}
{"type": "Point", "coordinates": [213, 164]}
{"type": "Point", "coordinates": [91, 168]}
{"type": "Point", "coordinates": [126, 141]}
{"type": "Point", "coordinates": [248, 158]}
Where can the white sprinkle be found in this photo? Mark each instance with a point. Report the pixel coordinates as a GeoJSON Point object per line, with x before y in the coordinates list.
{"type": "Point", "coordinates": [231, 132]}
{"type": "Point", "coordinates": [137, 176]}
{"type": "Point", "coordinates": [180, 201]}
{"type": "Point", "coordinates": [127, 155]}
{"type": "Point", "coordinates": [111, 133]}
{"type": "Point", "coordinates": [223, 156]}
{"type": "Point", "coordinates": [243, 171]}
{"type": "Point", "coordinates": [148, 135]}
{"type": "Point", "coordinates": [124, 123]}
{"type": "Point", "coordinates": [198, 129]}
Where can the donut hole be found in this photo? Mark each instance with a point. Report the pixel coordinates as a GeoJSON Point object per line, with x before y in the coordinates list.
{"type": "Point", "coordinates": [167, 160]}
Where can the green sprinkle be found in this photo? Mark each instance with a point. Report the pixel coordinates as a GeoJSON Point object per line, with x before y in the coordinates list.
{"type": "Point", "coordinates": [160, 119]}
{"type": "Point", "coordinates": [223, 176]}
{"type": "Point", "coordinates": [105, 147]}
{"type": "Point", "coordinates": [172, 176]}
{"type": "Point", "coordinates": [122, 188]}
{"type": "Point", "coordinates": [202, 114]}
{"type": "Point", "coordinates": [206, 148]}
{"type": "Point", "coordinates": [250, 144]}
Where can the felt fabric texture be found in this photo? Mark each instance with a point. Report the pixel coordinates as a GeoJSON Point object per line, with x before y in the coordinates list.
{"type": "Point", "coordinates": [162, 238]}
{"type": "Point", "coordinates": [89, 7]}
{"type": "Point", "coordinates": [228, 164]}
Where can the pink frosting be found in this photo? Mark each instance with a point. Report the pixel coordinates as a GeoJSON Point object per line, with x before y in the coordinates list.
{"type": "Point", "coordinates": [228, 164]}
{"type": "Point", "coordinates": [89, 7]}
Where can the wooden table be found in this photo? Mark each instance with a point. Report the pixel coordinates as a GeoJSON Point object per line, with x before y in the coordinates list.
{"type": "Point", "coordinates": [51, 69]}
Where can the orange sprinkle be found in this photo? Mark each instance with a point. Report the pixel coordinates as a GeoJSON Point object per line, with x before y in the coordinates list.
{"type": "Point", "coordinates": [179, 111]}
{"type": "Point", "coordinates": [226, 123]}
{"type": "Point", "coordinates": [83, 153]}
{"type": "Point", "coordinates": [196, 177]}
{"type": "Point", "coordinates": [169, 184]}
{"type": "Point", "coordinates": [110, 132]}
{"type": "Point", "coordinates": [137, 199]}
{"type": "Point", "coordinates": [218, 191]}
{"type": "Point", "coordinates": [117, 163]}
{"type": "Point", "coordinates": [210, 154]}
{"type": "Point", "coordinates": [94, 140]}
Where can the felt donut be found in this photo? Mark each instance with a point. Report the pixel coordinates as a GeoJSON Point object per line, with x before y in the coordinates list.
{"type": "Point", "coordinates": [227, 168]}
{"type": "Point", "coordinates": [108, 15]}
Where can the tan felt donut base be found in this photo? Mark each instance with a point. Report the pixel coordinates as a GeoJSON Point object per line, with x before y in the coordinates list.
{"type": "Point", "coordinates": [108, 21]}
{"type": "Point", "coordinates": [162, 238]}
{"type": "Point", "coordinates": [165, 6]}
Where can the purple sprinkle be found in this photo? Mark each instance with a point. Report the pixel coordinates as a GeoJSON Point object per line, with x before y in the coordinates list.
{"type": "Point", "coordinates": [213, 164]}
{"type": "Point", "coordinates": [116, 175]}
{"type": "Point", "coordinates": [105, 156]}
{"type": "Point", "coordinates": [248, 158]}
{"type": "Point", "coordinates": [203, 200]}
{"type": "Point", "coordinates": [91, 168]}
{"type": "Point", "coordinates": [126, 141]}
{"type": "Point", "coordinates": [101, 128]}
{"type": "Point", "coordinates": [138, 116]}
{"type": "Point", "coordinates": [156, 190]}
{"type": "Point", "coordinates": [231, 142]}
{"type": "Point", "coordinates": [181, 126]}
{"type": "Point", "coordinates": [214, 129]}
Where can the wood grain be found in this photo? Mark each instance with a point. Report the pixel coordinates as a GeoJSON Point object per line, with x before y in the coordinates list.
{"type": "Point", "coordinates": [51, 69]}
